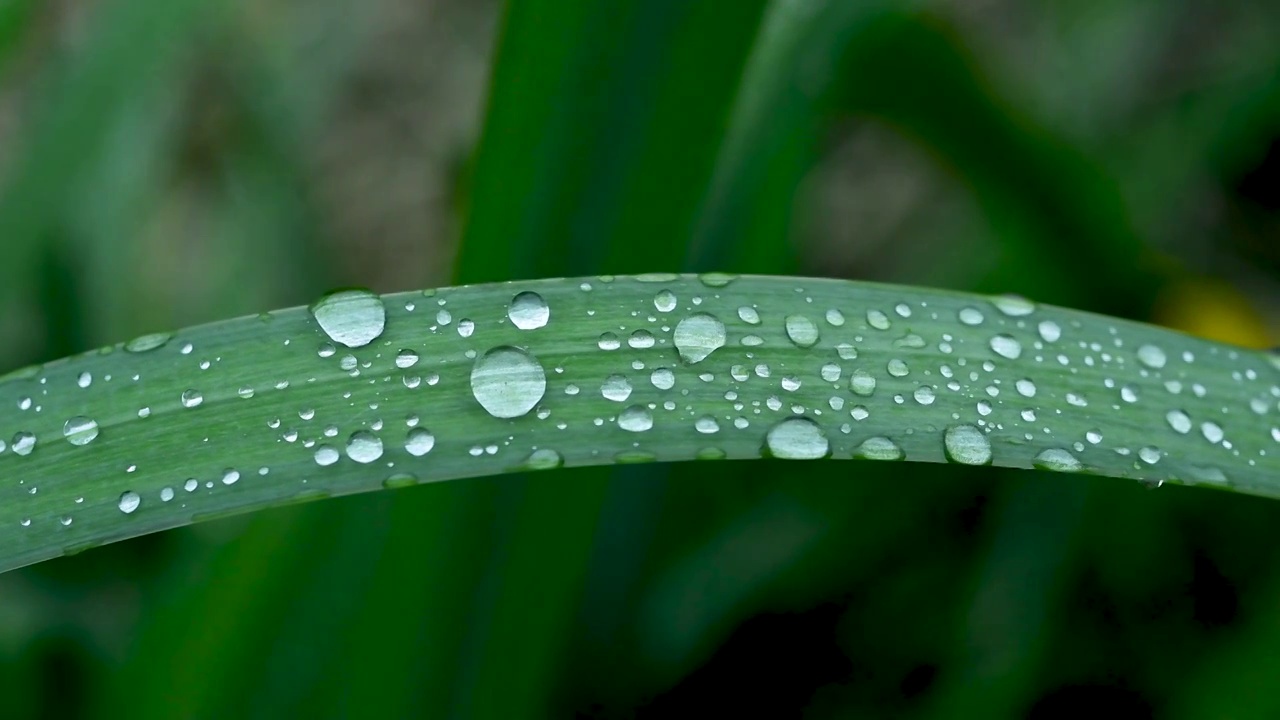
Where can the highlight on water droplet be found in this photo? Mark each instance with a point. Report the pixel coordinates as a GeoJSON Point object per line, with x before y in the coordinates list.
{"type": "Point", "coordinates": [419, 442]}
{"type": "Point", "coordinates": [191, 398]}
{"type": "Point", "coordinates": [129, 501]}
{"type": "Point", "coordinates": [508, 382]}
{"type": "Point", "coordinates": [801, 331]}
{"type": "Point", "coordinates": [364, 447]}
{"type": "Point", "coordinates": [353, 318]}
{"type": "Point", "coordinates": [528, 311]}
{"type": "Point", "coordinates": [1006, 346]}
{"type": "Point", "coordinates": [879, 448]}
{"type": "Point", "coordinates": [635, 418]}
{"type": "Point", "coordinates": [796, 438]}
{"type": "Point", "coordinates": [1057, 460]}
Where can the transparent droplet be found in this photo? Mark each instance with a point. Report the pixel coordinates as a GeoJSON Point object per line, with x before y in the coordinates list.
{"type": "Point", "coordinates": [1149, 455]}
{"type": "Point", "coordinates": [466, 328]}
{"type": "Point", "coordinates": [1152, 356]}
{"type": "Point", "coordinates": [971, 316]}
{"type": "Point", "coordinates": [898, 368]}
{"type": "Point", "coordinates": [608, 341]}
{"type": "Point", "coordinates": [846, 351]}
{"type": "Point", "coordinates": [191, 398]}
{"type": "Point", "coordinates": [1006, 346]}
{"type": "Point", "coordinates": [862, 383]}
{"type": "Point", "coordinates": [508, 382]}
{"type": "Point", "coordinates": [326, 456]}
{"type": "Point", "coordinates": [23, 443]}
{"type": "Point", "coordinates": [1179, 421]}
{"type": "Point", "coordinates": [616, 388]}
{"type": "Point", "coordinates": [835, 318]}
{"type": "Point", "coordinates": [878, 320]}
{"type": "Point", "coordinates": [129, 501]}
{"type": "Point", "coordinates": [635, 418]}
{"type": "Point", "coordinates": [662, 378]}
{"type": "Point", "coordinates": [245, 392]}
{"type": "Point", "coordinates": [830, 372]}
{"type": "Point", "coordinates": [665, 301]}
{"type": "Point", "coordinates": [965, 444]}
{"type": "Point", "coordinates": [1212, 431]}
{"type": "Point", "coordinates": [797, 438]}
{"type": "Point", "coordinates": [80, 430]}
{"type": "Point", "coordinates": [1057, 460]}
{"type": "Point", "coordinates": [364, 447]}
{"type": "Point", "coordinates": [406, 359]}
{"type": "Point", "coordinates": [924, 395]}
{"type": "Point", "coordinates": [419, 442]}
{"type": "Point", "coordinates": [147, 342]}
{"type": "Point", "coordinates": [353, 318]}
{"type": "Point", "coordinates": [1025, 387]}
{"type": "Point", "coordinates": [1050, 331]}
{"type": "Point", "coordinates": [697, 336]}
{"type": "Point", "coordinates": [528, 311]}
{"type": "Point", "coordinates": [230, 476]}
{"type": "Point", "coordinates": [801, 331]}
{"type": "Point", "coordinates": [706, 425]}
{"type": "Point", "coordinates": [543, 459]}
{"type": "Point", "coordinates": [84, 380]}
{"type": "Point", "coordinates": [1013, 305]}
{"type": "Point", "coordinates": [879, 448]}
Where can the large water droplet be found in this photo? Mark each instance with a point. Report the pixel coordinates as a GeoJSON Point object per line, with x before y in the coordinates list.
{"type": "Point", "coordinates": [508, 382]}
{"type": "Point", "coordinates": [129, 501]}
{"type": "Point", "coordinates": [24, 443]}
{"type": "Point", "coordinates": [878, 320]}
{"type": "Point", "coordinates": [80, 430]}
{"type": "Point", "coordinates": [326, 456]}
{"type": "Point", "coordinates": [147, 342]}
{"type": "Point", "coordinates": [364, 447]}
{"type": "Point", "coordinates": [616, 388]}
{"type": "Point", "coordinates": [1179, 421]}
{"type": "Point", "coordinates": [528, 311]}
{"type": "Point", "coordinates": [1013, 305]}
{"type": "Point", "coordinates": [419, 442]}
{"type": "Point", "coordinates": [191, 398]}
{"type": "Point", "coordinates": [664, 301]}
{"type": "Point", "coordinates": [862, 383]}
{"type": "Point", "coordinates": [797, 438]}
{"type": "Point", "coordinates": [663, 378]}
{"type": "Point", "coordinates": [971, 316]}
{"type": "Point", "coordinates": [353, 318]}
{"type": "Point", "coordinates": [1152, 356]}
{"type": "Point", "coordinates": [635, 418]}
{"type": "Point", "coordinates": [543, 459]}
{"type": "Point", "coordinates": [878, 448]}
{"type": "Point", "coordinates": [697, 336]}
{"type": "Point", "coordinates": [1057, 460]}
{"type": "Point", "coordinates": [1050, 331]}
{"type": "Point", "coordinates": [801, 331]}
{"type": "Point", "coordinates": [965, 444]}
{"type": "Point", "coordinates": [406, 359]}
{"type": "Point", "coordinates": [1006, 346]}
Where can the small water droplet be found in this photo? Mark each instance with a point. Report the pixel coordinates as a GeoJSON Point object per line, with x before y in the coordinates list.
{"type": "Point", "coordinates": [924, 395]}
{"type": "Point", "coordinates": [878, 320]}
{"type": "Point", "coordinates": [898, 368]}
{"type": "Point", "coordinates": [1179, 421]}
{"type": "Point", "coordinates": [862, 383]}
{"type": "Point", "coordinates": [1212, 431]}
{"type": "Point", "coordinates": [846, 351]}
{"type": "Point", "coordinates": [664, 301]}
{"type": "Point", "coordinates": [609, 341]}
{"type": "Point", "coordinates": [191, 398]}
{"type": "Point", "coordinates": [419, 442]}
{"type": "Point", "coordinates": [706, 425]}
{"type": "Point", "coordinates": [1025, 387]}
{"type": "Point", "coordinates": [641, 340]}
{"type": "Point", "coordinates": [1149, 455]}
{"type": "Point", "coordinates": [830, 372]}
{"type": "Point", "coordinates": [835, 318]}
{"type": "Point", "coordinates": [1152, 356]}
{"type": "Point", "coordinates": [80, 430]}
{"type": "Point", "coordinates": [245, 392]}
{"type": "Point", "coordinates": [663, 378]}
{"type": "Point", "coordinates": [230, 476]}
{"type": "Point", "coordinates": [796, 438]}
{"type": "Point", "coordinates": [801, 331]}
{"type": "Point", "coordinates": [528, 311]}
{"type": "Point", "coordinates": [353, 318]}
{"type": "Point", "coordinates": [697, 336]}
{"type": "Point", "coordinates": [406, 359]}
{"type": "Point", "coordinates": [129, 501]}
{"type": "Point", "coordinates": [635, 418]}
{"type": "Point", "coordinates": [508, 382]}
{"type": "Point", "coordinates": [543, 459]}
{"type": "Point", "coordinates": [23, 443]}
{"type": "Point", "coordinates": [965, 444]}
{"type": "Point", "coordinates": [325, 456]}
{"type": "Point", "coordinates": [1057, 460]}
{"type": "Point", "coordinates": [85, 379]}
{"type": "Point", "coordinates": [749, 315]}
{"type": "Point", "coordinates": [1050, 331]}
{"type": "Point", "coordinates": [971, 316]}
{"type": "Point", "coordinates": [1013, 305]}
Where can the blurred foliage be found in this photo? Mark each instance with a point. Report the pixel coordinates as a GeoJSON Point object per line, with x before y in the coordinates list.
{"type": "Point", "coordinates": [166, 162]}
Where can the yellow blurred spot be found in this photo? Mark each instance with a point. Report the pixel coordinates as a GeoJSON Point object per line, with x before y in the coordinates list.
{"type": "Point", "coordinates": [1213, 310]}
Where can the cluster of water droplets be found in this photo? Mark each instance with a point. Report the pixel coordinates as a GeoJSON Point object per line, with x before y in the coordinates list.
{"type": "Point", "coordinates": [689, 368]}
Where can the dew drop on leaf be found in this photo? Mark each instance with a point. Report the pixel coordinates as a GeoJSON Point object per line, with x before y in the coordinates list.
{"type": "Point", "coordinates": [419, 442]}
{"type": "Point", "coordinates": [528, 311]}
{"type": "Point", "coordinates": [353, 318]}
{"type": "Point", "coordinates": [801, 331]}
{"type": "Point", "coordinates": [80, 430]}
{"type": "Point", "coordinates": [879, 448]}
{"type": "Point", "coordinates": [145, 343]}
{"type": "Point", "coordinates": [508, 382]}
{"type": "Point", "coordinates": [1057, 460]}
{"type": "Point", "coordinates": [364, 447]}
{"type": "Point", "coordinates": [635, 418]}
{"type": "Point", "coordinates": [797, 438]}
{"type": "Point", "coordinates": [129, 501]}
{"type": "Point", "coordinates": [697, 336]}
{"type": "Point", "coordinates": [965, 444]}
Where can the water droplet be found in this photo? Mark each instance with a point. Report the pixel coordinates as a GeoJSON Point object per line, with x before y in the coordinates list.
{"type": "Point", "coordinates": [80, 430]}
{"type": "Point", "coordinates": [706, 425]}
{"type": "Point", "coordinates": [749, 315]}
{"type": "Point", "coordinates": [663, 378]}
{"type": "Point", "coordinates": [145, 343]}
{"type": "Point", "coordinates": [835, 318]}
{"type": "Point", "coordinates": [129, 501]}
{"type": "Point", "coordinates": [965, 444]}
{"type": "Point", "coordinates": [1006, 346]}
{"type": "Point", "coordinates": [406, 359]}
{"type": "Point", "coordinates": [528, 311]}
{"type": "Point", "coordinates": [801, 331]}
{"type": "Point", "coordinates": [641, 340]}
{"type": "Point", "coordinates": [847, 351]}
{"type": "Point", "coordinates": [830, 372]}
{"type": "Point", "coordinates": [1049, 331]}
{"type": "Point", "coordinates": [1129, 394]}
{"type": "Point", "coordinates": [898, 368]}
{"type": "Point", "coordinates": [166, 494]}
{"type": "Point", "coordinates": [716, 279]}
{"type": "Point", "coordinates": [1013, 305]}
{"type": "Point", "coordinates": [326, 456]}
{"type": "Point", "coordinates": [24, 443]}
{"type": "Point", "coordinates": [879, 448]}
{"type": "Point", "coordinates": [609, 341]}
{"type": "Point", "coordinates": [924, 395]}
{"type": "Point", "coordinates": [616, 388]}
{"type": "Point", "coordinates": [1212, 431]}
{"type": "Point", "coordinates": [245, 392]}
{"type": "Point", "coordinates": [1179, 421]}
{"type": "Point", "coordinates": [635, 418]}
{"type": "Point", "coordinates": [796, 438]}
{"type": "Point", "coordinates": [1152, 356]}
{"type": "Point", "coordinates": [1057, 460]}
{"type": "Point", "coordinates": [543, 459]}
{"type": "Point", "coordinates": [419, 442]}
{"type": "Point", "coordinates": [191, 398]}
{"type": "Point", "coordinates": [862, 383]}
{"type": "Point", "coordinates": [508, 382]}
{"type": "Point", "coordinates": [1025, 387]}
{"type": "Point", "coordinates": [84, 380]}
{"type": "Point", "coordinates": [353, 318]}
{"type": "Point", "coordinates": [697, 336]}
{"type": "Point", "coordinates": [230, 476]}
{"type": "Point", "coordinates": [878, 320]}
{"type": "Point", "coordinates": [971, 316]}
{"type": "Point", "coordinates": [664, 301]}
{"type": "Point", "coordinates": [1149, 455]}
{"type": "Point", "coordinates": [364, 447]}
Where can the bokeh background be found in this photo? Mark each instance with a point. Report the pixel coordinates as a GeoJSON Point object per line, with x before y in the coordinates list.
{"type": "Point", "coordinates": [171, 162]}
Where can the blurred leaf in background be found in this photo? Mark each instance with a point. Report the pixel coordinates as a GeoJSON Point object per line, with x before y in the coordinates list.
{"type": "Point", "coordinates": [165, 162]}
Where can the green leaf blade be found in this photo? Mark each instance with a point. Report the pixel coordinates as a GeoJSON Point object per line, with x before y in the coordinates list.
{"type": "Point", "coordinates": [892, 373]}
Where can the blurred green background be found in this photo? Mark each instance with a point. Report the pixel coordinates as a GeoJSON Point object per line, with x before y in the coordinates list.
{"type": "Point", "coordinates": [170, 162]}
